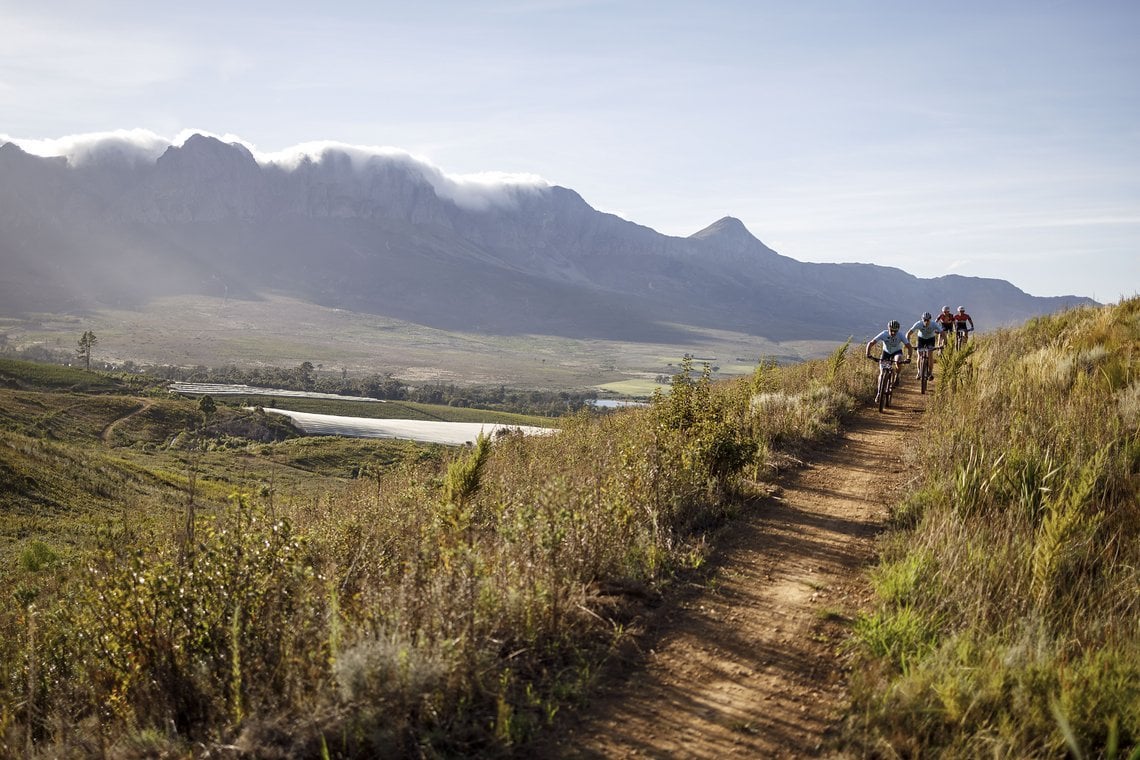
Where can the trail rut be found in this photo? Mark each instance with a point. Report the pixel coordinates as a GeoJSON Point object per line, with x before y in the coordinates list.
{"type": "Point", "coordinates": [749, 663]}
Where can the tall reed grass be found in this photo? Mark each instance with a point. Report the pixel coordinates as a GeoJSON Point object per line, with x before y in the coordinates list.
{"type": "Point", "coordinates": [1018, 633]}
{"type": "Point", "coordinates": [436, 610]}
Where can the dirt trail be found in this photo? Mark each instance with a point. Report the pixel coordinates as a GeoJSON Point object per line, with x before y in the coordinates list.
{"type": "Point", "coordinates": [747, 665]}
{"type": "Point", "coordinates": [110, 429]}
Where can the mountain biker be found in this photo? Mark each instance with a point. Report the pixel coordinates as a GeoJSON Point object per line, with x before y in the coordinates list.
{"type": "Point", "coordinates": [927, 332]}
{"type": "Point", "coordinates": [946, 322]}
{"type": "Point", "coordinates": [960, 320]}
{"type": "Point", "coordinates": [892, 344]}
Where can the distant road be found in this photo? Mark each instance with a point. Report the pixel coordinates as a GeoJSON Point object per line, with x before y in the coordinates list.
{"type": "Point", "coordinates": [427, 431]}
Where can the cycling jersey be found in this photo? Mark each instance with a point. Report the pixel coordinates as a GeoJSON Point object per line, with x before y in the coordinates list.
{"type": "Point", "coordinates": [946, 320]}
{"type": "Point", "coordinates": [960, 321]}
{"type": "Point", "coordinates": [927, 332]}
{"type": "Point", "coordinates": [892, 344]}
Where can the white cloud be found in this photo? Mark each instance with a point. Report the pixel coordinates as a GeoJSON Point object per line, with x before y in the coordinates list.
{"type": "Point", "coordinates": [477, 191]}
{"type": "Point", "coordinates": [131, 145]}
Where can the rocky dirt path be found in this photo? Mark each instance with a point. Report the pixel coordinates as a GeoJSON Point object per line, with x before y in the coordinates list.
{"type": "Point", "coordinates": [749, 663]}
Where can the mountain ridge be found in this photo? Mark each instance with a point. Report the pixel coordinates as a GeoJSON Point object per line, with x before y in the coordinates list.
{"type": "Point", "coordinates": [387, 235]}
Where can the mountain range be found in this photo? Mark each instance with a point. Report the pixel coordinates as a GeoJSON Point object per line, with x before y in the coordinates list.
{"type": "Point", "coordinates": [388, 235]}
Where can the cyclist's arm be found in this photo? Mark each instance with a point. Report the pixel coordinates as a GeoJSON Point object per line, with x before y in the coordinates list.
{"type": "Point", "coordinates": [870, 343]}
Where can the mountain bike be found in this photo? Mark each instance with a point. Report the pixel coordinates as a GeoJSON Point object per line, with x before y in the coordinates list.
{"type": "Point", "coordinates": [960, 337]}
{"type": "Point", "coordinates": [925, 367]}
{"type": "Point", "coordinates": [888, 378]}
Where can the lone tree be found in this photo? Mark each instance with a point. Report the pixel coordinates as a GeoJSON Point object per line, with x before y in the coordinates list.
{"type": "Point", "coordinates": [306, 373]}
{"type": "Point", "coordinates": [87, 341]}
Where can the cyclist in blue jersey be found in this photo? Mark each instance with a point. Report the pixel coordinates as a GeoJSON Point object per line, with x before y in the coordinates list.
{"type": "Point", "coordinates": [927, 331]}
{"type": "Point", "coordinates": [893, 343]}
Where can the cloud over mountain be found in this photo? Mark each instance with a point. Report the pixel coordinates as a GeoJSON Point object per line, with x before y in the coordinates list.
{"type": "Point", "coordinates": [140, 146]}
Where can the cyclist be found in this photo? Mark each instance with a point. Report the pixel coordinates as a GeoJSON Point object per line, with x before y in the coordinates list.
{"type": "Point", "coordinates": [893, 344]}
{"type": "Point", "coordinates": [927, 332]}
{"type": "Point", "coordinates": [960, 320]}
{"type": "Point", "coordinates": [946, 322]}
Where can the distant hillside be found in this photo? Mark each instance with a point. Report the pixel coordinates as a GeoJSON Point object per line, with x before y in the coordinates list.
{"type": "Point", "coordinates": [384, 235]}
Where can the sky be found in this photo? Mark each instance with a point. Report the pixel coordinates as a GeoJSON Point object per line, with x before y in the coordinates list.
{"type": "Point", "coordinates": [992, 138]}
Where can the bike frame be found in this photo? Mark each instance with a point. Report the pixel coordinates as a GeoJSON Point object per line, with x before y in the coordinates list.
{"type": "Point", "coordinates": [887, 370]}
{"type": "Point", "coordinates": [925, 356]}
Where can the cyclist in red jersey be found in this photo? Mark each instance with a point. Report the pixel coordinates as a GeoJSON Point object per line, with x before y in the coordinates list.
{"type": "Point", "coordinates": [946, 322]}
{"type": "Point", "coordinates": [961, 319]}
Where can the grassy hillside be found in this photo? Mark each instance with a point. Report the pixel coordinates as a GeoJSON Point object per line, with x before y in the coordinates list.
{"type": "Point", "coordinates": [81, 450]}
{"type": "Point", "coordinates": [1008, 614]}
{"type": "Point", "coordinates": [78, 447]}
{"type": "Point", "coordinates": [168, 595]}
{"type": "Point", "coordinates": [22, 374]}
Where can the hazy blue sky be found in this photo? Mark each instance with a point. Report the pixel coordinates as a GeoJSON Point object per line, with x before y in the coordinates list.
{"type": "Point", "coordinates": [983, 137]}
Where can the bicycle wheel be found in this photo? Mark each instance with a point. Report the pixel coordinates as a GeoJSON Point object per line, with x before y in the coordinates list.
{"type": "Point", "coordinates": [922, 361]}
{"type": "Point", "coordinates": [884, 385]}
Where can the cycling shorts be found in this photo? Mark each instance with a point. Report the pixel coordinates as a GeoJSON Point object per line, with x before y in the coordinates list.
{"type": "Point", "coordinates": [927, 342]}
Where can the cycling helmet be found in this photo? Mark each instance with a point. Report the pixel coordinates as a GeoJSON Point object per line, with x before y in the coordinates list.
{"type": "Point", "coordinates": [926, 316]}
{"type": "Point", "coordinates": [961, 309]}
{"type": "Point", "coordinates": [945, 309]}
{"type": "Point", "coordinates": [893, 324]}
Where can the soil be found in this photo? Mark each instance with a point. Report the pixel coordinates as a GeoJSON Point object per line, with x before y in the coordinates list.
{"type": "Point", "coordinates": [750, 661]}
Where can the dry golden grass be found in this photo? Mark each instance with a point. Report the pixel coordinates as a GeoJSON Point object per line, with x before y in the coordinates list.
{"type": "Point", "coordinates": [438, 608]}
{"type": "Point", "coordinates": [1027, 539]}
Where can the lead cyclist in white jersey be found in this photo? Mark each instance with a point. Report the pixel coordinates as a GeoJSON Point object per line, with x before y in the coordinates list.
{"type": "Point", "coordinates": [892, 343]}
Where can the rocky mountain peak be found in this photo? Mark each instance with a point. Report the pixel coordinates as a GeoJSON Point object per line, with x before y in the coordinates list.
{"type": "Point", "coordinates": [729, 240]}
{"type": "Point", "coordinates": [726, 229]}
{"type": "Point", "coordinates": [205, 156]}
